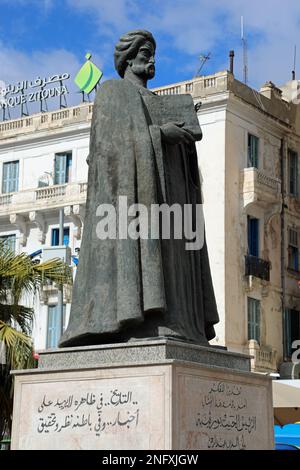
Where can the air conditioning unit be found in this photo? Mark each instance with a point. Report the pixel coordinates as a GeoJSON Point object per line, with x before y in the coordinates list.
{"type": "Point", "coordinates": [62, 252]}
{"type": "Point", "coordinates": [289, 370]}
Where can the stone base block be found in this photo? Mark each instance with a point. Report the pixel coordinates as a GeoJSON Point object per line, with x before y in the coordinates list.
{"type": "Point", "coordinates": [164, 404]}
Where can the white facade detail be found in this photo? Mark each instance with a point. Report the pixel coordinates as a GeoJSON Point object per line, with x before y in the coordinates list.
{"type": "Point", "coordinates": [250, 201]}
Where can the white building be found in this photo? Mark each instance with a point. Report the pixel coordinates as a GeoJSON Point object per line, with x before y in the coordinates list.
{"type": "Point", "coordinates": [248, 160]}
{"type": "Point", "coordinates": [43, 168]}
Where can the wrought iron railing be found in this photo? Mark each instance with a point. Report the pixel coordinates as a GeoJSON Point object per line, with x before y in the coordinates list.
{"type": "Point", "coordinates": [257, 267]}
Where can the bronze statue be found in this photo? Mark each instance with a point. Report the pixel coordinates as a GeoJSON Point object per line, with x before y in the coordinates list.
{"type": "Point", "coordinates": [143, 147]}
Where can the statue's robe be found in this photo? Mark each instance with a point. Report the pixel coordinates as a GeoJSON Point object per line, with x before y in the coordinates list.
{"type": "Point", "coordinates": [142, 288]}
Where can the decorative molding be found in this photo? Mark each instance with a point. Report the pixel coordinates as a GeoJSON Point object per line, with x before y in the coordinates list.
{"type": "Point", "coordinates": [19, 221]}
{"type": "Point", "coordinates": [49, 294]}
{"type": "Point", "coordinates": [39, 220]}
{"type": "Point", "coordinates": [276, 209]}
{"type": "Point", "coordinates": [76, 214]}
{"type": "Point", "coordinates": [269, 231]}
{"type": "Point", "coordinates": [255, 284]}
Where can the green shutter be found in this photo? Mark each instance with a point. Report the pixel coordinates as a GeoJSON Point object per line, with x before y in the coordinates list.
{"type": "Point", "coordinates": [254, 319]}
{"type": "Point", "coordinates": [60, 174]}
{"type": "Point", "coordinates": [54, 326]}
{"type": "Point", "coordinates": [10, 179]}
{"type": "Point", "coordinates": [253, 149]}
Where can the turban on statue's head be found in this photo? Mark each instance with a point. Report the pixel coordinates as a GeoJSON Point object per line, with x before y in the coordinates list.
{"type": "Point", "coordinates": [128, 46]}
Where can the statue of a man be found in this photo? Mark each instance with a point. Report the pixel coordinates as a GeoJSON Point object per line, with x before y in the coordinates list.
{"type": "Point", "coordinates": [129, 287]}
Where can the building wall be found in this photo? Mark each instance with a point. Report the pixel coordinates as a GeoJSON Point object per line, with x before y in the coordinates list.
{"type": "Point", "coordinates": [240, 121]}
{"type": "Point", "coordinates": [231, 192]}
{"type": "Point", "coordinates": [211, 158]}
{"type": "Point", "coordinates": [36, 153]}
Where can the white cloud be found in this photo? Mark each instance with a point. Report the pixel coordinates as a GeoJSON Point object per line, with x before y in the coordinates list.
{"type": "Point", "coordinates": [191, 26]}
{"type": "Point", "coordinates": [271, 26]}
{"type": "Point", "coordinates": [17, 66]}
{"type": "Point", "coordinates": [110, 15]}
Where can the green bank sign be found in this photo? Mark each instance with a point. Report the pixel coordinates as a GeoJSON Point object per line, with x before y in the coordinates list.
{"type": "Point", "coordinates": [88, 76]}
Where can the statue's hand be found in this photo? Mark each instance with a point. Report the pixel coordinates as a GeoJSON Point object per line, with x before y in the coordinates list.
{"type": "Point", "coordinates": [174, 133]}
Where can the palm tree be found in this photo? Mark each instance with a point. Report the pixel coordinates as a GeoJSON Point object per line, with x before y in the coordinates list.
{"type": "Point", "coordinates": [20, 276]}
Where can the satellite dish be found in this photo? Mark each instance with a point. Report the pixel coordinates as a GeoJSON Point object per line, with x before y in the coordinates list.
{"type": "Point", "coordinates": [45, 180]}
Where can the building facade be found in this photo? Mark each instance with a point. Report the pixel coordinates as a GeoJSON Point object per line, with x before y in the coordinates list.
{"type": "Point", "coordinates": [43, 169]}
{"type": "Point", "coordinates": [248, 160]}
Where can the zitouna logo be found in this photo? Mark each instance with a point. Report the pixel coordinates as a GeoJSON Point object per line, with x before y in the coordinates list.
{"type": "Point", "coordinates": [88, 76]}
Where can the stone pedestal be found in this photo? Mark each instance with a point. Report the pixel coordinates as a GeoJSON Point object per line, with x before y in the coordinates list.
{"type": "Point", "coordinates": [147, 395]}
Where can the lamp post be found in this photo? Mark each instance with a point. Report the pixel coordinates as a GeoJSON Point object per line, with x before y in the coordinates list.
{"type": "Point", "coordinates": [60, 291]}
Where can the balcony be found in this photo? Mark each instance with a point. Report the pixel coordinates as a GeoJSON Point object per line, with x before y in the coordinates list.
{"type": "Point", "coordinates": [46, 121]}
{"type": "Point", "coordinates": [46, 198]}
{"type": "Point", "coordinates": [259, 188]}
{"type": "Point", "coordinates": [199, 87]}
{"type": "Point", "coordinates": [263, 358]}
{"type": "Point", "coordinates": [257, 267]}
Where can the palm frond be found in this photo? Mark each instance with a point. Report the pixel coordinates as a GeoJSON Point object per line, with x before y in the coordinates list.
{"type": "Point", "coordinates": [18, 346]}
{"type": "Point", "coordinates": [17, 316]}
{"type": "Point", "coordinates": [19, 275]}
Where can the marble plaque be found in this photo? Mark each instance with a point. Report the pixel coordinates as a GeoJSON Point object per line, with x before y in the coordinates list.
{"type": "Point", "coordinates": [159, 406]}
{"type": "Point", "coordinates": [221, 412]}
{"type": "Point", "coordinates": [92, 413]}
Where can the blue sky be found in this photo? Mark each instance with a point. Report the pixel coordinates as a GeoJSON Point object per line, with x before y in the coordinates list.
{"type": "Point", "coordinates": [43, 37]}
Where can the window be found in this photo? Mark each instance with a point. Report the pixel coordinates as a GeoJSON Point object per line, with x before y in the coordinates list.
{"type": "Point", "coordinates": [254, 319]}
{"type": "Point", "coordinates": [54, 329]}
{"type": "Point", "coordinates": [10, 179]}
{"type": "Point", "coordinates": [293, 172]}
{"type": "Point", "coordinates": [252, 151]}
{"type": "Point", "coordinates": [293, 254]}
{"type": "Point", "coordinates": [291, 330]}
{"type": "Point", "coordinates": [55, 236]}
{"type": "Point", "coordinates": [9, 242]}
{"type": "Point", "coordinates": [253, 236]}
{"type": "Point", "coordinates": [62, 168]}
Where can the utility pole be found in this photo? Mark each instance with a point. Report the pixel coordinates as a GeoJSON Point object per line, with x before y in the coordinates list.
{"type": "Point", "coordinates": [61, 289]}
{"type": "Point", "coordinates": [245, 52]}
{"type": "Point", "coordinates": [294, 68]}
{"type": "Point", "coordinates": [203, 59]}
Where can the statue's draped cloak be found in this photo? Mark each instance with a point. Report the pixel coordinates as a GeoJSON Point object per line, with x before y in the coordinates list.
{"type": "Point", "coordinates": [137, 288]}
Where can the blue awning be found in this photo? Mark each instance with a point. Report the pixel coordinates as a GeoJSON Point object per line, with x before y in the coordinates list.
{"type": "Point", "coordinates": [288, 434]}
{"type": "Point", "coordinates": [36, 253]}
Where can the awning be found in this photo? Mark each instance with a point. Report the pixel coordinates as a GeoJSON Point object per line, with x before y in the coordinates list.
{"type": "Point", "coordinates": [287, 435]}
{"type": "Point", "coordinates": [286, 401]}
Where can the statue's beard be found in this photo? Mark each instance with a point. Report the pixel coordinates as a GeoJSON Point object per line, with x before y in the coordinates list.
{"type": "Point", "coordinates": [147, 71]}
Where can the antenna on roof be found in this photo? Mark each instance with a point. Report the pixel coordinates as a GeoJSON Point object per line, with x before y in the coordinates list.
{"type": "Point", "coordinates": [294, 69]}
{"type": "Point", "coordinates": [203, 58]}
{"type": "Point", "coordinates": [245, 52]}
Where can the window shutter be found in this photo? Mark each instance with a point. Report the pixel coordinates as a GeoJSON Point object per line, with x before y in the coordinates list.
{"type": "Point", "coordinates": [54, 325]}
{"type": "Point", "coordinates": [254, 319]}
{"type": "Point", "coordinates": [14, 176]}
{"type": "Point", "coordinates": [60, 169]}
{"type": "Point", "coordinates": [253, 236]}
{"type": "Point", "coordinates": [293, 237]}
{"type": "Point", "coordinates": [5, 183]}
{"type": "Point", "coordinates": [293, 172]}
{"type": "Point", "coordinates": [10, 180]}
{"type": "Point", "coordinates": [255, 151]}
{"type": "Point", "coordinates": [253, 143]}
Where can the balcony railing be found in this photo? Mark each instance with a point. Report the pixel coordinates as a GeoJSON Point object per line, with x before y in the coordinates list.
{"type": "Point", "coordinates": [5, 199]}
{"type": "Point", "coordinates": [257, 267]}
{"type": "Point", "coordinates": [259, 188]}
{"type": "Point", "coordinates": [44, 121]}
{"type": "Point", "coordinates": [201, 86]}
{"type": "Point", "coordinates": [263, 358]}
{"type": "Point", "coordinates": [50, 192]}
{"type": "Point", "coordinates": [43, 198]}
